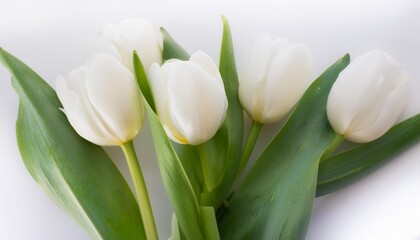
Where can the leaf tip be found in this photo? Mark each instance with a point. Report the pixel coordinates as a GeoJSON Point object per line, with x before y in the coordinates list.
{"type": "Point", "coordinates": [346, 57]}
{"type": "Point", "coordinates": [163, 31]}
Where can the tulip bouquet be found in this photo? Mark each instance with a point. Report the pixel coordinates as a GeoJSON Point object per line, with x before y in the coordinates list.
{"type": "Point", "coordinates": [196, 113]}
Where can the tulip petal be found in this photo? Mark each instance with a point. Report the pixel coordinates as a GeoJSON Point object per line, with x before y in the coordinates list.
{"type": "Point", "coordinates": [356, 85]}
{"type": "Point", "coordinates": [254, 74]}
{"type": "Point", "coordinates": [198, 105]}
{"type": "Point", "coordinates": [158, 77]}
{"type": "Point", "coordinates": [114, 95]}
{"type": "Point", "coordinates": [79, 116]}
{"type": "Point", "coordinates": [391, 110]}
{"type": "Point", "coordinates": [134, 35]}
{"type": "Point", "coordinates": [205, 62]}
{"type": "Point", "coordinates": [286, 81]}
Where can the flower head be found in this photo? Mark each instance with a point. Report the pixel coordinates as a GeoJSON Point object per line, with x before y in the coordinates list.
{"type": "Point", "coordinates": [130, 35]}
{"type": "Point", "coordinates": [275, 79]}
{"type": "Point", "coordinates": [102, 102]}
{"type": "Point", "coordinates": [190, 98]}
{"type": "Point", "coordinates": [367, 97]}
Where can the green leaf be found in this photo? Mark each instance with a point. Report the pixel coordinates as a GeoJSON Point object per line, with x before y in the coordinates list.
{"type": "Point", "coordinates": [175, 179]}
{"type": "Point", "coordinates": [227, 143]}
{"type": "Point", "coordinates": [347, 167]}
{"type": "Point", "coordinates": [276, 197]}
{"type": "Point", "coordinates": [77, 175]}
{"type": "Point", "coordinates": [142, 80]}
{"type": "Point", "coordinates": [171, 49]}
{"type": "Point", "coordinates": [209, 223]}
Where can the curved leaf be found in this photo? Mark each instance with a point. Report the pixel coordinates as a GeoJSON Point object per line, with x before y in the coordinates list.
{"type": "Point", "coordinates": [177, 184]}
{"type": "Point", "coordinates": [77, 175]}
{"type": "Point", "coordinates": [171, 49]}
{"type": "Point", "coordinates": [228, 140]}
{"type": "Point", "coordinates": [142, 81]}
{"type": "Point", "coordinates": [347, 167]}
{"type": "Point", "coordinates": [275, 199]}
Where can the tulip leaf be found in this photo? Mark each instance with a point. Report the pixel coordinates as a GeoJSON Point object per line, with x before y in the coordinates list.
{"type": "Point", "coordinates": [275, 200]}
{"type": "Point", "coordinates": [77, 175]}
{"type": "Point", "coordinates": [142, 81]}
{"type": "Point", "coordinates": [211, 231]}
{"type": "Point", "coordinates": [171, 49]}
{"type": "Point", "coordinates": [349, 166]}
{"type": "Point", "coordinates": [176, 181]}
{"type": "Point", "coordinates": [227, 143]}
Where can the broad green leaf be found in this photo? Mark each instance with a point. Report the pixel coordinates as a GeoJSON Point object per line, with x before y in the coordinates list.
{"type": "Point", "coordinates": [228, 140]}
{"type": "Point", "coordinates": [142, 80]}
{"type": "Point", "coordinates": [276, 197]}
{"type": "Point", "coordinates": [175, 179]}
{"type": "Point", "coordinates": [347, 167]}
{"type": "Point", "coordinates": [171, 49]}
{"type": "Point", "coordinates": [77, 175]}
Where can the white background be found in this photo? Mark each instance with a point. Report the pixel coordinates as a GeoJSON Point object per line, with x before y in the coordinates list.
{"type": "Point", "coordinates": [54, 37]}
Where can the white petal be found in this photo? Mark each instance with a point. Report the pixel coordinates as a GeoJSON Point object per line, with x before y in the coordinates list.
{"type": "Point", "coordinates": [79, 116]}
{"type": "Point", "coordinates": [389, 113]}
{"type": "Point", "coordinates": [197, 102]}
{"type": "Point", "coordinates": [353, 88]}
{"type": "Point", "coordinates": [134, 35]}
{"type": "Point", "coordinates": [158, 77]}
{"type": "Point", "coordinates": [255, 73]}
{"type": "Point", "coordinates": [205, 62]}
{"type": "Point", "coordinates": [286, 81]}
{"type": "Point", "coordinates": [158, 86]}
{"type": "Point", "coordinates": [114, 95]}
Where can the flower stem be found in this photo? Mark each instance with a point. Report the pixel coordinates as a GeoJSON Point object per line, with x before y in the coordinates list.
{"type": "Point", "coordinates": [338, 139]}
{"type": "Point", "coordinates": [208, 177]}
{"type": "Point", "coordinates": [248, 148]}
{"type": "Point", "coordinates": [141, 191]}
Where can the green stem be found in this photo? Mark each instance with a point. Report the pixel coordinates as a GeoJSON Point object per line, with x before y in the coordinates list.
{"type": "Point", "coordinates": [141, 191]}
{"type": "Point", "coordinates": [338, 139]}
{"type": "Point", "coordinates": [248, 148]}
{"type": "Point", "coordinates": [207, 178]}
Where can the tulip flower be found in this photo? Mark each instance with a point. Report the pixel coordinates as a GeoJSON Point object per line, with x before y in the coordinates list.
{"type": "Point", "coordinates": [102, 102]}
{"type": "Point", "coordinates": [130, 35]}
{"type": "Point", "coordinates": [190, 98]}
{"type": "Point", "coordinates": [367, 97]}
{"type": "Point", "coordinates": [275, 79]}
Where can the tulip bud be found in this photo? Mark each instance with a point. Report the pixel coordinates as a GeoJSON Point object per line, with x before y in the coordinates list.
{"type": "Point", "coordinates": [275, 79]}
{"type": "Point", "coordinates": [190, 98]}
{"type": "Point", "coordinates": [367, 97]}
{"type": "Point", "coordinates": [102, 102]}
{"type": "Point", "coordinates": [130, 35]}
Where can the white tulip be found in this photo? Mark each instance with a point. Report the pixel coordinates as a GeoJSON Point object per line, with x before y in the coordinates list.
{"type": "Point", "coordinates": [367, 97]}
{"type": "Point", "coordinates": [130, 35]}
{"type": "Point", "coordinates": [102, 102]}
{"type": "Point", "coordinates": [275, 79]}
{"type": "Point", "coordinates": [190, 98]}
